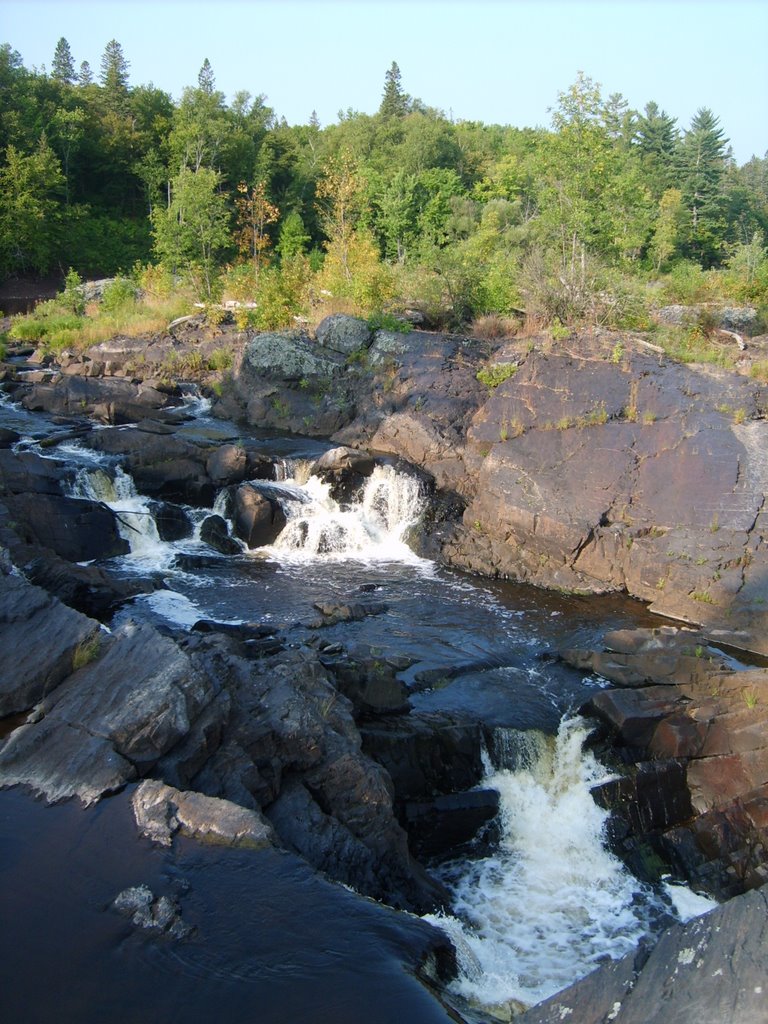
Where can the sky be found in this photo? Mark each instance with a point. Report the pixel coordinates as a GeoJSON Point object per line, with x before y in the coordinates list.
{"type": "Point", "coordinates": [497, 61]}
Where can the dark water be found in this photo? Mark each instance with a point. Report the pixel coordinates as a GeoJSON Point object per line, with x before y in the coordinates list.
{"type": "Point", "coordinates": [273, 942]}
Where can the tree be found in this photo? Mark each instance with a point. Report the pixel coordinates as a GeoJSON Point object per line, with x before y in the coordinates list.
{"type": "Point", "coordinates": [701, 165]}
{"type": "Point", "coordinates": [63, 67]}
{"type": "Point", "coordinates": [114, 74]}
{"type": "Point", "coordinates": [69, 128]}
{"type": "Point", "coordinates": [656, 138]}
{"type": "Point", "coordinates": [293, 237]}
{"type": "Point", "coordinates": [30, 187]}
{"type": "Point", "coordinates": [85, 75]}
{"type": "Point", "coordinates": [668, 226]}
{"type": "Point", "coordinates": [394, 103]}
{"type": "Point", "coordinates": [193, 231]}
{"type": "Point", "coordinates": [205, 78]}
{"type": "Point", "coordinates": [254, 214]}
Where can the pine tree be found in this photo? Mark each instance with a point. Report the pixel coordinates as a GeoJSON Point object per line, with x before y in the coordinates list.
{"type": "Point", "coordinates": [85, 75]}
{"type": "Point", "coordinates": [63, 67]}
{"type": "Point", "coordinates": [205, 79]}
{"type": "Point", "coordinates": [394, 102]}
{"type": "Point", "coordinates": [114, 69]}
{"type": "Point", "coordinates": [701, 160]}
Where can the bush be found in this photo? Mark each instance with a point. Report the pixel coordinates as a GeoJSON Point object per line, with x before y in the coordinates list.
{"type": "Point", "coordinates": [492, 327]}
{"type": "Point", "coordinates": [120, 295]}
{"type": "Point", "coordinates": [687, 284]}
{"type": "Point", "coordinates": [388, 322]}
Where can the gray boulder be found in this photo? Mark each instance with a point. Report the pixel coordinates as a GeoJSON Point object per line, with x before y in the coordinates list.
{"type": "Point", "coordinates": [342, 333]}
{"type": "Point", "coordinates": [284, 356]}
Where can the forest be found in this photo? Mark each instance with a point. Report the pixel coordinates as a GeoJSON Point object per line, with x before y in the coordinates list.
{"type": "Point", "coordinates": [590, 220]}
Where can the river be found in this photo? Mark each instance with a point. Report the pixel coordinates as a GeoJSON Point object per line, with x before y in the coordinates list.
{"type": "Point", "coordinates": [273, 941]}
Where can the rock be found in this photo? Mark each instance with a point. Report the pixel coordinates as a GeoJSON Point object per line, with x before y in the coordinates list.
{"type": "Point", "coordinates": [215, 533]}
{"type": "Point", "coordinates": [346, 470]}
{"type": "Point", "coordinates": [112, 719]}
{"type": "Point", "coordinates": [227, 464]}
{"type": "Point", "coordinates": [439, 827]}
{"type": "Point", "coordinates": [258, 520]}
{"type": "Point", "coordinates": [171, 520]}
{"type": "Point", "coordinates": [106, 399]}
{"type": "Point", "coordinates": [150, 912]}
{"type": "Point", "coordinates": [286, 355]}
{"type": "Point", "coordinates": [161, 811]}
{"type": "Point", "coordinates": [705, 972]}
{"type": "Point", "coordinates": [40, 641]}
{"type": "Point", "coordinates": [371, 684]}
{"type": "Point", "coordinates": [342, 333]}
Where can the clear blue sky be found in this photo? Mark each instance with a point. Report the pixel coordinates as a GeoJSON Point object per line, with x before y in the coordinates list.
{"type": "Point", "coordinates": [502, 61]}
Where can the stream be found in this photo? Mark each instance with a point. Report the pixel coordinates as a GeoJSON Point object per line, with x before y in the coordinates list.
{"type": "Point", "coordinates": [546, 906]}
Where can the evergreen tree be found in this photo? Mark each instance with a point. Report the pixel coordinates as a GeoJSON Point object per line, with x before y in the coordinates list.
{"type": "Point", "coordinates": [394, 102]}
{"type": "Point", "coordinates": [702, 160]}
{"type": "Point", "coordinates": [114, 70]}
{"type": "Point", "coordinates": [656, 138]}
{"type": "Point", "coordinates": [205, 78]}
{"type": "Point", "coordinates": [85, 75]}
{"type": "Point", "coordinates": [63, 67]}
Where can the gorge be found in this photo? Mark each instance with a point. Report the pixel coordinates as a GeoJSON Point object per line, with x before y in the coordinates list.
{"type": "Point", "coordinates": [275, 646]}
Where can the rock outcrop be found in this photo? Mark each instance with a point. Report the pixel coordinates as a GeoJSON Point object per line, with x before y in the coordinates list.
{"type": "Point", "coordinates": [690, 731]}
{"type": "Point", "coordinates": [708, 971]}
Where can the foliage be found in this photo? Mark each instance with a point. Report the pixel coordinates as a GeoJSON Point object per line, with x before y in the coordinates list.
{"type": "Point", "coordinates": [496, 374]}
{"type": "Point", "coordinates": [595, 219]}
{"type": "Point", "coordinates": [388, 322]}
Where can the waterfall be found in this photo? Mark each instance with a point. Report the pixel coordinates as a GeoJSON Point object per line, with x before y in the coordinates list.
{"type": "Point", "coordinates": [375, 528]}
{"type": "Point", "coordinates": [135, 522]}
{"type": "Point", "coordinates": [551, 903]}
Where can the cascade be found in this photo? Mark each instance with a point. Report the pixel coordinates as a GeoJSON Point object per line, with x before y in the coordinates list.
{"type": "Point", "coordinates": [135, 521]}
{"type": "Point", "coordinates": [551, 902]}
{"type": "Point", "coordinates": [374, 528]}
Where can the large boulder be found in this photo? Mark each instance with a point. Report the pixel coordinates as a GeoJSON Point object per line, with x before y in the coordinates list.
{"type": "Point", "coordinates": [342, 333]}
{"type": "Point", "coordinates": [286, 356]}
{"type": "Point", "coordinates": [258, 520]}
{"type": "Point", "coordinates": [345, 469]}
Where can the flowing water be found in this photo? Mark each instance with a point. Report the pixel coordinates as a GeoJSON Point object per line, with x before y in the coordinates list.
{"type": "Point", "coordinates": [550, 902]}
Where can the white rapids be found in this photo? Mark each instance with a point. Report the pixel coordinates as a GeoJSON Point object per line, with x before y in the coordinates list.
{"type": "Point", "coordinates": [551, 902]}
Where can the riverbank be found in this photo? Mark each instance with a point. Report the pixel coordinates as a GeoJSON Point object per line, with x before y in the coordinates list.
{"type": "Point", "coordinates": [349, 777]}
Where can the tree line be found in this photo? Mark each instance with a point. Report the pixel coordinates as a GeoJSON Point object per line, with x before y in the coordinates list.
{"type": "Point", "coordinates": [99, 175]}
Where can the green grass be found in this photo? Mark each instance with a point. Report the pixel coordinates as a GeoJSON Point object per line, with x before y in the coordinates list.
{"type": "Point", "coordinates": [494, 375]}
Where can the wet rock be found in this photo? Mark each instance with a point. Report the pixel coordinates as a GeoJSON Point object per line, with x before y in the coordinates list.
{"type": "Point", "coordinates": [333, 613]}
{"type": "Point", "coordinates": [427, 754]}
{"type": "Point", "coordinates": [342, 333]}
{"type": "Point", "coordinates": [439, 827]}
{"type": "Point", "coordinates": [215, 533]}
{"type": "Point", "coordinates": [75, 529]}
{"type": "Point", "coordinates": [152, 913]}
{"type": "Point", "coordinates": [346, 470]}
{"type": "Point", "coordinates": [705, 972]}
{"type": "Point", "coordinates": [258, 520]}
{"type": "Point", "coordinates": [39, 643]}
{"type": "Point", "coordinates": [8, 437]}
{"type": "Point", "coordinates": [161, 811]}
{"type": "Point", "coordinates": [171, 520]}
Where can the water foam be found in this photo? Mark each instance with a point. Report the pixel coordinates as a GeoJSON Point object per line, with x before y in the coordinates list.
{"type": "Point", "coordinates": [551, 903]}
{"type": "Point", "coordinates": [373, 529]}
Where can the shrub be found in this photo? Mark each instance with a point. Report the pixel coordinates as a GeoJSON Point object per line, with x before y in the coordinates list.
{"type": "Point", "coordinates": [494, 375]}
{"type": "Point", "coordinates": [492, 327]}
{"type": "Point", "coordinates": [119, 295]}
{"type": "Point", "coordinates": [388, 322]}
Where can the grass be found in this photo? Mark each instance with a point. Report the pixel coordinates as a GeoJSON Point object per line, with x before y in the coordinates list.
{"type": "Point", "coordinates": [702, 596]}
{"type": "Point", "coordinates": [759, 370]}
{"type": "Point", "coordinates": [690, 344]}
{"type": "Point", "coordinates": [86, 652]}
{"type": "Point", "coordinates": [494, 375]}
